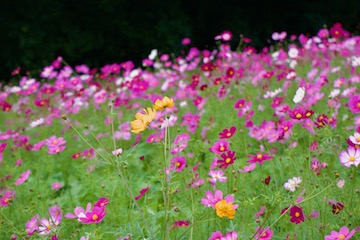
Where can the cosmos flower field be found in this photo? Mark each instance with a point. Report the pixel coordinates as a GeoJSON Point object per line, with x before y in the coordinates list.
{"type": "Point", "coordinates": [208, 144]}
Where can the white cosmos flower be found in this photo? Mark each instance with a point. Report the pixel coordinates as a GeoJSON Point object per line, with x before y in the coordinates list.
{"type": "Point", "coordinates": [293, 52]}
{"type": "Point", "coordinates": [153, 54]}
{"type": "Point", "coordinates": [299, 95]}
{"type": "Point", "coordinates": [292, 183]}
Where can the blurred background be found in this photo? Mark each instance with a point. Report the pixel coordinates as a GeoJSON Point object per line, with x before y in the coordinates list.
{"type": "Point", "coordinates": [99, 32]}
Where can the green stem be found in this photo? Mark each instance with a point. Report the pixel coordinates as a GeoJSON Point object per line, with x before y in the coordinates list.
{"type": "Point", "coordinates": [128, 187]}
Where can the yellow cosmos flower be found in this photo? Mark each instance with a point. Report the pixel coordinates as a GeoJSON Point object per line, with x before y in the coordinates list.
{"type": "Point", "coordinates": [142, 120]}
{"type": "Point", "coordinates": [225, 209]}
{"type": "Point", "coordinates": [164, 103]}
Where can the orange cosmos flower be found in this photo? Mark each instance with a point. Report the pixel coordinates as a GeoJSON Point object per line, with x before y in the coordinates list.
{"type": "Point", "coordinates": [142, 120]}
{"type": "Point", "coordinates": [164, 103]}
{"type": "Point", "coordinates": [225, 209]}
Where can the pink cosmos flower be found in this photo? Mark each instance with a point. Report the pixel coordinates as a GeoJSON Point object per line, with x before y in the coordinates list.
{"type": "Point", "coordinates": [53, 141]}
{"type": "Point", "coordinates": [350, 157]}
{"type": "Point", "coordinates": [56, 150]}
{"type": "Point", "coordinates": [55, 214]}
{"type": "Point", "coordinates": [181, 223]}
{"type": "Point", "coordinates": [117, 152]}
{"type": "Point", "coordinates": [220, 146]}
{"type": "Point", "coordinates": [79, 212]}
{"type": "Point", "coordinates": [261, 212]}
{"type": "Point", "coordinates": [100, 97]}
{"type": "Point", "coordinates": [56, 186]}
{"type": "Point", "coordinates": [225, 36]}
{"type": "Point", "coordinates": [44, 226]}
{"type": "Point", "coordinates": [180, 143]}
{"type": "Point", "coordinates": [32, 225]}
{"type": "Point", "coordinates": [216, 175]}
{"type": "Point", "coordinates": [355, 139]}
{"type": "Point", "coordinates": [216, 236]}
{"type": "Point", "coordinates": [186, 41]}
{"type": "Point", "coordinates": [343, 234]}
{"type": "Point", "coordinates": [178, 163]}
{"type": "Point", "coordinates": [96, 215]}
{"type": "Point", "coordinates": [7, 198]}
{"type": "Point", "coordinates": [263, 234]}
{"type": "Point", "coordinates": [3, 146]}
{"type": "Point", "coordinates": [249, 168]}
{"type": "Point", "coordinates": [23, 177]}
{"type": "Point", "coordinates": [211, 199]}
{"type": "Point", "coordinates": [354, 104]}
{"type": "Point", "coordinates": [142, 193]}
{"type": "Point", "coordinates": [102, 202]}
{"type": "Point", "coordinates": [259, 158]}
{"type": "Point", "coordinates": [230, 236]}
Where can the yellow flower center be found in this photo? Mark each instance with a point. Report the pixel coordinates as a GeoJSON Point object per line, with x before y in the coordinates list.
{"type": "Point", "coordinates": [286, 128]}
{"type": "Point", "coordinates": [227, 160]}
{"type": "Point", "coordinates": [222, 148]}
{"type": "Point", "coordinates": [308, 114]}
{"type": "Point", "coordinates": [358, 105]}
{"type": "Point", "coordinates": [341, 236]}
{"type": "Point", "coordinates": [259, 156]}
{"type": "Point", "coordinates": [298, 115]}
{"type": "Point", "coordinates": [94, 217]}
{"type": "Point", "coordinates": [352, 159]}
{"type": "Point", "coordinates": [297, 214]}
{"type": "Point", "coordinates": [358, 139]}
{"type": "Point", "coordinates": [240, 105]}
{"type": "Point", "coordinates": [178, 164]}
{"type": "Point", "coordinates": [229, 134]}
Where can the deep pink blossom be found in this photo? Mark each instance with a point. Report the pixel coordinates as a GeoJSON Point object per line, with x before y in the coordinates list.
{"type": "Point", "coordinates": [220, 146]}
{"type": "Point", "coordinates": [227, 133]}
{"type": "Point", "coordinates": [96, 215]}
{"type": "Point", "coordinates": [296, 215]}
{"type": "Point", "coordinates": [354, 104]}
{"type": "Point", "coordinates": [7, 198]}
{"type": "Point", "coordinates": [259, 158]}
{"type": "Point", "coordinates": [142, 193]}
{"type": "Point", "coordinates": [178, 163]}
{"type": "Point", "coordinates": [23, 177]}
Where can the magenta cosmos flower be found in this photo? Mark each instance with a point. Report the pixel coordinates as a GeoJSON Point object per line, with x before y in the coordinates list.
{"type": "Point", "coordinates": [227, 133]}
{"type": "Point", "coordinates": [142, 193]}
{"type": "Point", "coordinates": [7, 198]}
{"type": "Point", "coordinates": [178, 163]}
{"type": "Point", "coordinates": [258, 158]}
{"type": "Point", "coordinates": [94, 216]}
{"type": "Point", "coordinates": [263, 234]}
{"type": "Point", "coordinates": [23, 177]}
{"type": "Point", "coordinates": [220, 146]}
{"type": "Point", "coordinates": [228, 159]}
{"type": "Point", "coordinates": [350, 157]}
{"type": "Point", "coordinates": [296, 215]}
{"type": "Point", "coordinates": [343, 234]}
{"type": "Point", "coordinates": [354, 104]}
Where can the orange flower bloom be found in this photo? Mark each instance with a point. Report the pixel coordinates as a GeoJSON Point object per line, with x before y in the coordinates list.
{"type": "Point", "coordinates": [142, 120]}
{"type": "Point", "coordinates": [225, 209]}
{"type": "Point", "coordinates": [164, 103]}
